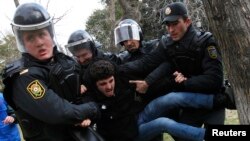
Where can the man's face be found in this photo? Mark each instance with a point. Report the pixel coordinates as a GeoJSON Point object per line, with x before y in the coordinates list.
{"type": "Point", "coordinates": [178, 28]}
{"type": "Point", "coordinates": [83, 55]}
{"type": "Point", "coordinates": [106, 86]}
{"type": "Point", "coordinates": [131, 45]}
{"type": "Point", "coordinates": [38, 44]}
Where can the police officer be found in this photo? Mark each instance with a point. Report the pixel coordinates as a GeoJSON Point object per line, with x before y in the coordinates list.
{"type": "Point", "coordinates": [84, 49]}
{"type": "Point", "coordinates": [129, 34]}
{"type": "Point", "coordinates": [43, 85]}
{"type": "Point", "coordinates": [193, 60]}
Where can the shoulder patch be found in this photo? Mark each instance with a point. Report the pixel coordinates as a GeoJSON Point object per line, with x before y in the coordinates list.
{"type": "Point", "coordinates": [35, 89]}
{"type": "Point", "coordinates": [212, 52]}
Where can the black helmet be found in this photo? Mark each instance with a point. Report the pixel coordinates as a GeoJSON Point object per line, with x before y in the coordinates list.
{"type": "Point", "coordinates": [79, 39]}
{"type": "Point", "coordinates": [28, 17]}
{"type": "Point", "coordinates": [127, 29]}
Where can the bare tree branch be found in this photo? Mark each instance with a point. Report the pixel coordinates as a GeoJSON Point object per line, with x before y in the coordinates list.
{"type": "Point", "coordinates": [57, 19]}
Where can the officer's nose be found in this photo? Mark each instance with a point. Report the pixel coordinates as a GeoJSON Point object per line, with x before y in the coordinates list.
{"type": "Point", "coordinates": [81, 59]}
{"type": "Point", "coordinates": [38, 41]}
{"type": "Point", "coordinates": [170, 28]}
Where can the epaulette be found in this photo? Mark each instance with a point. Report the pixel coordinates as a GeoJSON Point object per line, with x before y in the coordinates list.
{"type": "Point", "coordinates": [199, 39]}
{"type": "Point", "coordinates": [202, 37]}
{"type": "Point", "coordinates": [13, 68]}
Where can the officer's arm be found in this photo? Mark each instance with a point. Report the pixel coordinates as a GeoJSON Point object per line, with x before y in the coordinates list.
{"type": "Point", "coordinates": [113, 57]}
{"type": "Point", "coordinates": [122, 57]}
{"type": "Point", "coordinates": [35, 98]}
{"type": "Point", "coordinates": [163, 71]}
{"type": "Point", "coordinates": [147, 63]}
{"type": "Point", "coordinates": [212, 78]}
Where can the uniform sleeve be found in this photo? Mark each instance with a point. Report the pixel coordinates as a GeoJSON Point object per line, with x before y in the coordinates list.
{"type": "Point", "coordinates": [160, 72]}
{"type": "Point", "coordinates": [147, 63]}
{"type": "Point", "coordinates": [122, 57]}
{"type": "Point", "coordinates": [34, 97]}
{"type": "Point", "coordinates": [211, 79]}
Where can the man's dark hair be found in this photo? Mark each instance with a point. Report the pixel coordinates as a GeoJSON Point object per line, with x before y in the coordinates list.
{"type": "Point", "coordinates": [101, 69]}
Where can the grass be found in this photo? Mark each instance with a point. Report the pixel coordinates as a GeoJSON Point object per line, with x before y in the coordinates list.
{"type": "Point", "coordinates": [232, 117]}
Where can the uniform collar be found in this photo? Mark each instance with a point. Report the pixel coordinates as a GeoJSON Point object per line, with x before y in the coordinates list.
{"type": "Point", "coordinates": [187, 39]}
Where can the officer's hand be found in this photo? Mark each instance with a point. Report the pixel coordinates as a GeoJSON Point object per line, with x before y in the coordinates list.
{"type": "Point", "coordinates": [8, 120]}
{"type": "Point", "coordinates": [141, 85]}
{"type": "Point", "coordinates": [179, 77]}
{"type": "Point", "coordinates": [83, 89]}
{"type": "Point", "coordinates": [84, 123]}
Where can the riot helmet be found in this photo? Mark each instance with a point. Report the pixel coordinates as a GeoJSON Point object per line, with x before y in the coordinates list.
{"type": "Point", "coordinates": [80, 39]}
{"type": "Point", "coordinates": [30, 17]}
{"type": "Point", "coordinates": [127, 29]}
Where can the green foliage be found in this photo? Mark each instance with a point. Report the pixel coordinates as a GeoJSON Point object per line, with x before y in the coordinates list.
{"type": "Point", "coordinates": [98, 26]}
{"type": "Point", "coordinates": [232, 117]}
{"type": "Point", "coordinates": [8, 50]}
{"type": "Point", "coordinates": [118, 12]}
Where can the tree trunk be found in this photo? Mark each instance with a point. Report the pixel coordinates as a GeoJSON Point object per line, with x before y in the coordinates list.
{"type": "Point", "coordinates": [229, 21]}
{"type": "Point", "coordinates": [111, 10]}
{"type": "Point", "coordinates": [130, 9]}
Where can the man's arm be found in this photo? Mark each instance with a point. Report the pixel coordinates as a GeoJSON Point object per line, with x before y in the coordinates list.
{"type": "Point", "coordinates": [164, 70]}
{"type": "Point", "coordinates": [147, 63]}
{"type": "Point", "coordinates": [35, 98]}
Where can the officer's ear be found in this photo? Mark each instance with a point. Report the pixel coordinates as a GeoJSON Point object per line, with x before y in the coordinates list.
{"type": "Point", "coordinates": [187, 20]}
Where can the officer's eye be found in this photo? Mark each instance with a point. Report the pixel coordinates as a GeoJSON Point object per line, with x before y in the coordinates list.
{"type": "Point", "coordinates": [30, 38]}
{"type": "Point", "coordinates": [41, 34]}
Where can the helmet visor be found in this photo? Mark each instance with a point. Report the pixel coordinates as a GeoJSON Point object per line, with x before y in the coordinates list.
{"type": "Point", "coordinates": [75, 46]}
{"type": "Point", "coordinates": [19, 29]}
{"type": "Point", "coordinates": [126, 32]}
